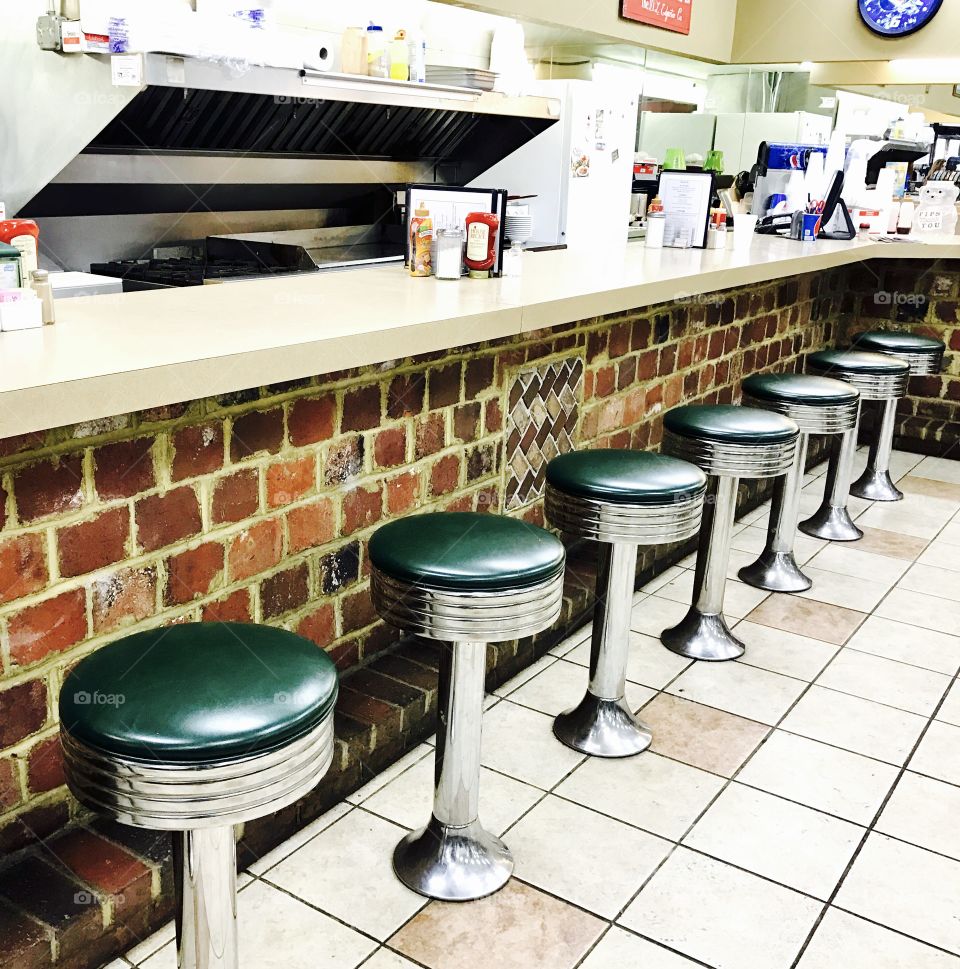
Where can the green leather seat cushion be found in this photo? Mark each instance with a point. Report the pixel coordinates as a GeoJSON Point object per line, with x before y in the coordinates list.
{"type": "Point", "coordinates": [856, 361]}
{"type": "Point", "coordinates": [889, 341]}
{"type": "Point", "coordinates": [466, 551]}
{"type": "Point", "coordinates": [729, 424]}
{"type": "Point", "coordinates": [799, 388]}
{"type": "Point", "coordinates": [627, 477]}
{"type": "Point", "coordinates": [199, 692]}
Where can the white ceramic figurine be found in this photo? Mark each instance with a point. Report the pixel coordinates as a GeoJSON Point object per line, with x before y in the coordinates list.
{"type": "Point", "coordinates": [937, 211]}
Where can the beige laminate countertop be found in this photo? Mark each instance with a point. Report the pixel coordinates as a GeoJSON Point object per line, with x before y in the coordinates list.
{"type": "Point", "coordinates": [110, 355]}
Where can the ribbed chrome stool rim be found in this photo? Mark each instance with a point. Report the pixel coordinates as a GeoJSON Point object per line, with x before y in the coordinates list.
{"type": "Point", "coordinates": [812, 418]}
{"type": "Point", "coordinates": [605, 521]}
{"type": "Point", "coordinates": [872, 386]}
{"type": "Point", "coordinates": [177, 797]}
{"type": "Point", "coordinates": [732, 460]}
{"type": "Point", "coordinates": [489, 616]}
{"type": "Point", "coordinates": [921, 362]}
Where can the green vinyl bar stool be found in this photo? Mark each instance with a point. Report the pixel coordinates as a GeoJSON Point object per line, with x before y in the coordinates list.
{"type": "Point", "coordinates": [924, 354]}
{"type": "Point", "coordinates": [880, 377]}
{"type": "Point", "coordinates": [621, 499]}
{"type": "Point", "coordinates": [194, 729]}
{"type": "Point", "coordinates": [465, 579]}
{"type": "Point", "coordinates": [727, 443]}
{"type": "Point", "coordinates": [819, 405]}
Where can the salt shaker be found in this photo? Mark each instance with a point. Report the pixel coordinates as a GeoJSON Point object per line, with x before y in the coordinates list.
{"type": "Point", "coordinates": [40, 281]}
{"type": "Point", "coordinates": [449, 264]}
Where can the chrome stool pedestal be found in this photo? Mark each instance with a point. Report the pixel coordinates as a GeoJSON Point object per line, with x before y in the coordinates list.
{"type": "Point", "coordinates": [832, 521]}
{"type": "Point", "coordinates": [878, 377]}
{"type": "Point", "coordinates": [466, 580]}
{"type": "Point", "coordinates": [728, 443]}
{"type": "Point", "coordinates": [620, 499]}
{"type": "Point", "coordinates": [818, 405]}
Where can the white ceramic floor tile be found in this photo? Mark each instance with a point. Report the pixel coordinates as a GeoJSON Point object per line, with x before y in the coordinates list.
{"type": "Point", "coordinates": [664, 578]}
{"type": "Point", "coordinates": [930, 612]}
{"type": "Point", "coordinates": [906, 888]}
{"type": "Point", "coordinates": [951, 533]}
{"type": "Point", "coordinates": [783, 652]}
{"type": "Point", "coordinates": [301, 837]}
{"type": "Point", "coordinates": [280, 932]}
{"type": "Point", "coordinates": [534, 669]}
{"type": "Point", "coordinates": [826, 778]}
{"type": "Point", "coordinates": [649, 663]}
{"type": "Point", "coordinates": [939, 469]}
{"type": "Point", "coordinates": [408, 800]}
{"type": "Point", "coordinates": [619, 949]}
{"type": "Point", "coordinates": [652, 792]}
{"type": "Point", "coordinates": [346, 871]}
{"type": "Point", "coordinates": [844, 590]}
{"type": "Point", "coordinates": [885, 681]}
{"type": "Point", "coordinates": [739, 599]}
{"type": "Point", "coordinates": [737, 688]}
{"type": "Point", "coordinates": [118, 964]}
{"type": "Point", "coordinates": [394, 770]}
{"type": "Point", "coordinates": [932, 581]}
{"type": "Point", "coordinates": [939, 753]}
{"type": "Point", "coordinates": [571, 642]}
{"type": "Point", "coordinates": [894, 517]}
{"type": "Point", "coordinates": [950, 711]}
{"type": "Point", "coordinates": [141, 952]}
{"type": "Point", "coordinates": [900, 641]}
{"type": "Point", "coordinates": [785, 842]}
{"type": "Point", "coordinates": [758, 514]}
{"type": "Point", "coordinates": [855, 724]}
{"type": "Point", "coordinates": [844, 941]}
{"type": "Point", "coordinates": [519, 742]}
{"type": "Point", "coordinates": [924, 812]}
{"type": "Point", "coordinates": [941, 555]}
{"type": "Point", "coordinates": [727, 918]}
{"type": "Point", "coordinates": [848, 560]}
{"type": "Point", "coordinates": [653, 615]}
{"type": "Point", "coordinates": [561, 687]}
{"type": "Point", "coordinates": [584, 857]}
{"type": "Point", "coordinates": [385, 959]}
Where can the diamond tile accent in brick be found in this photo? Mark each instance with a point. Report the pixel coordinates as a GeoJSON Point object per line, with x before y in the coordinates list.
{"type": "Point", "coordinates": [544, 411]}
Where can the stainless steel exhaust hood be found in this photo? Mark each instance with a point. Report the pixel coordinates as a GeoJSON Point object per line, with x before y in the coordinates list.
{"type": "Point", "coordinates": [201, 140]}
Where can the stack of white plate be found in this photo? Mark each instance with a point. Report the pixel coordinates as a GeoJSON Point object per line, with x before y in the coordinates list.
{"type": "Point", "coordinates": [517, 227]}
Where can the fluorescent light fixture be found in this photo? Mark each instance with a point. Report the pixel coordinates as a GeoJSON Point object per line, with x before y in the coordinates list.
{"type": "Point", "coordinates": [806, 66]}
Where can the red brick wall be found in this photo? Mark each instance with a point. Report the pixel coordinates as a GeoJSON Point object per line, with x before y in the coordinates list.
{"type": "Point", "coordinates": [925, 299]}
{"type": "Point", "coordinates": [258, 506]}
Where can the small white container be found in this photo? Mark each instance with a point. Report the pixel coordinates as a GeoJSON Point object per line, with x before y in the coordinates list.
{"type": "Point", "coordinates": [656, 229]}
{"type": "Point", "coordinates": [25, 313]}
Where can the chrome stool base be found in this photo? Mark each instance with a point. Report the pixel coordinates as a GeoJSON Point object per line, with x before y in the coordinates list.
{"type": "Point", "coordinates": [876, 485]}
{"type": "Point", "coordinates": [453, 863]}
{"type": "Point", "coordinates": [776, 572]}
{"type": "Point", "coordinates": [833, 524]}
{"type": "Point", "coordinates": [602, 728]}
{"type": "Point", "coordinates": [705, 637]}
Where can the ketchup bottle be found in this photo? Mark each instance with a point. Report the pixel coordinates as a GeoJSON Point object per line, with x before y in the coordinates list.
{"type": "Point", "coordinates": [482, 231]}
{"type": "Point", "coordinates": [23, 235]}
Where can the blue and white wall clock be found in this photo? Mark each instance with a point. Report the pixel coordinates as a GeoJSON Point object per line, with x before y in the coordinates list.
{"type": "Point", "coordinates": [897, 18]}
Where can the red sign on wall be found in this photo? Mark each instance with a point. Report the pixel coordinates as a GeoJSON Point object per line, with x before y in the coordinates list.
{"type": "Point", "coordinates": [669, 14]}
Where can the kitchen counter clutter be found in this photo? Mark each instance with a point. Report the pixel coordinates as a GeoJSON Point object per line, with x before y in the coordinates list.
{"type": "Point", "coordinates": [115, 354]}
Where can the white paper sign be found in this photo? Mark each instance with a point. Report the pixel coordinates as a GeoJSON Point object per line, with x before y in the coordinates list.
{"type": "Point", "coordinates": [126, 70]}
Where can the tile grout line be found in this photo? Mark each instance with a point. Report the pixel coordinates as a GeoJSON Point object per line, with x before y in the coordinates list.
{"type": "Point", "coordinates": [871, 828]}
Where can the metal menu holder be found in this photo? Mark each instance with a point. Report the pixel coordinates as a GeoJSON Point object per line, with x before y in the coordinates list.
{"type": "Point", "coordinates": [450, 205]}
{"type": "Point", "coordinates": [686, 204]}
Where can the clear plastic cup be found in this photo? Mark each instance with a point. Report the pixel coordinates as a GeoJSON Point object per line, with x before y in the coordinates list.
{"type": "Point", "coordinates": [744, 227]}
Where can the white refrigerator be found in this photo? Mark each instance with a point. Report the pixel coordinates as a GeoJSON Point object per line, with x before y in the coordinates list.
{"type": "Point", "coordinates": [580, 169]}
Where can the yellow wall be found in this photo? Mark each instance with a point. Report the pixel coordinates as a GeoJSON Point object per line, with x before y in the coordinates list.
{"type": "Point", "coordinates": [831, 30]}
{"type": "Point", "coordinates": [711, 31]}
